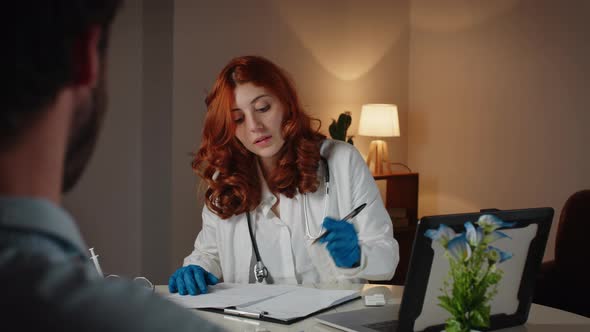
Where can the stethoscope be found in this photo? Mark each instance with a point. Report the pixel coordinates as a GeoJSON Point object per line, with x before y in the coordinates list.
{"type": "Point", "coordinates": [260, 271]}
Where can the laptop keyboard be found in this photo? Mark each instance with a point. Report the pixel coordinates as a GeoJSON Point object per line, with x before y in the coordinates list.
{"type": "Point", "coordinates": [386, 326]}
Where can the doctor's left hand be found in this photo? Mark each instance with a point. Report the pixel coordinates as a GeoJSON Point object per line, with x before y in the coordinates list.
{"type": "Point", "coordinates": [191, 279]}
{"type": "Point", "coordinates": [342, 242]}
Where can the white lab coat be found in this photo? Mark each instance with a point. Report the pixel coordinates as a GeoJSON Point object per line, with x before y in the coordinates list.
{"type": "Point", "coordinates": [223, 247]}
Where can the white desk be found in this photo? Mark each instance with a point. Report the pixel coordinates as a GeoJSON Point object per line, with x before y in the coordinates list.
{"type": "Point", "coordinates": [541, 318]}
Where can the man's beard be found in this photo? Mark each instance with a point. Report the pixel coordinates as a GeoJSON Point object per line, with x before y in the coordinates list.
{"type": "Point", "coordinates": [84, 132]}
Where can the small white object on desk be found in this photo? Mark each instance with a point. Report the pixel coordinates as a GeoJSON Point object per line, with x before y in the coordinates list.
{"type": "Point", "coordinates": [375, 300]}
{"type": "Point", "coordinates": [94, 259]}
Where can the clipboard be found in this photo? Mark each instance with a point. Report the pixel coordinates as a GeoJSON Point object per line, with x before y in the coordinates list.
{"type": "Point", "coordinates": [271, 303]}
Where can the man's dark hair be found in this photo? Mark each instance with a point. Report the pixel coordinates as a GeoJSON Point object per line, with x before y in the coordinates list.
{"type": "Point", "coordinates": [36, 59]}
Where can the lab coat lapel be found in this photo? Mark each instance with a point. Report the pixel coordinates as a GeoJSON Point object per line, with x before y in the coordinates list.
{"type": "Point", "coordinates": [243, 251]}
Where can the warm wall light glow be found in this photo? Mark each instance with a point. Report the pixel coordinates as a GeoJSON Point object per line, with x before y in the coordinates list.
{"type": "Point", "coordinates": [455, 15]}
{"type": "Point", "coordinates": [347, 38]}
{"type": "Point", "coordinates": [379, 120]}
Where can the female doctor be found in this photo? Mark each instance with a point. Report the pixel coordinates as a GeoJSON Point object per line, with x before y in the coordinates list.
{"type": "Point", "coordinates": [274, 185]}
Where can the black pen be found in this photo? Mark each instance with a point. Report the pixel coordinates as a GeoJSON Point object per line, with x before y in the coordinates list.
{"type": "Point", "coordinates": [346, 218]}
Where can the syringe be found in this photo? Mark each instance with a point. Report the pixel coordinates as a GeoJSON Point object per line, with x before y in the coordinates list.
{"type": "Point", "coordinates": [94, 259]}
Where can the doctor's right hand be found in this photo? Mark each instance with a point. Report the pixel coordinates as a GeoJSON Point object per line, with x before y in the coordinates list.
{"type": "Point", "coordinates": [191, 279]}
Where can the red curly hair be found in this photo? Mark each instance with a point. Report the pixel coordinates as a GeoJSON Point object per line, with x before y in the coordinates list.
{"type": "Point", "coordinates": [228, 167]}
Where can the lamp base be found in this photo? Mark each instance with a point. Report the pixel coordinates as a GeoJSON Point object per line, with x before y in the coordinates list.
{"type": "Point", "coordinates": [378, 154]}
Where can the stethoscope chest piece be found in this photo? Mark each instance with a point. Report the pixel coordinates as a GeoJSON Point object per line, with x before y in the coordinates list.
{"type": "Point", "coordinates": [260, 272]}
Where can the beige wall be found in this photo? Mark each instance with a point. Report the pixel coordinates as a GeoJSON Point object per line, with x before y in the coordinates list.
{"type": "Point", "coordinates": [123, 201]}
{"type": "Point", "coordinates": [499, 104]}
{"type": "Point", "coordinates": [341, 54]}
{"type": "Point", "coordinates": [156, 140]}
{"type": "Point", "coordinates": [106, 202]}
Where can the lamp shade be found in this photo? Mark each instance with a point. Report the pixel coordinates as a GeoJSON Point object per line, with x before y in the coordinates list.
{"type": "Point", "coordinates": [379, 120]}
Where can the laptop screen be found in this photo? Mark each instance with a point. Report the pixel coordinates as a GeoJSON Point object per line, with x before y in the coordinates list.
{"type": "Point", "coordinates": [429, 268]}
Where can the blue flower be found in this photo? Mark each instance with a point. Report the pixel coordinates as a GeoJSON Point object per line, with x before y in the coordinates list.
{"type": "Point", "coordinates": [490, 223]}
{"type": "Point", "coordinates": [474, 236]}
{"type": "Point", "coordinates": [497, 255]}
{"type": "Point", "coordinates": [495, 235]}
{"type": "Point", "coordinates": [443, 234]}
{"type": "Point", "coordinates": [459, 249]}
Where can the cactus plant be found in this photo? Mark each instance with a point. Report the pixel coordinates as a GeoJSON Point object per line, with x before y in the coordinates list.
{"type": "Point", "coordinates": [338, 129]}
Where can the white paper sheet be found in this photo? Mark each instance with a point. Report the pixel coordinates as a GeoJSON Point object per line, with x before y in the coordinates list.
{"type": "Point", "coordinates": [301, 302]}
{"type": "Point", "coordinates": [280, 302]}
{"type": "Point", "coordinates": [226, 295]}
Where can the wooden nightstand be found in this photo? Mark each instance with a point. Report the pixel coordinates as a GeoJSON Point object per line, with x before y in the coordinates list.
{"type": "Point", "coordinates": [401, 201]}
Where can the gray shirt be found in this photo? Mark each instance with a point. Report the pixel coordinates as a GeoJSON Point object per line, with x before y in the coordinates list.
{"type": "Point", "coordinates": [48, 283]}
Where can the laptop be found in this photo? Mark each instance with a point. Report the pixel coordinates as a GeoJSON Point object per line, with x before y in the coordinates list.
{"type": "Point", "coordinates": [419, 310]}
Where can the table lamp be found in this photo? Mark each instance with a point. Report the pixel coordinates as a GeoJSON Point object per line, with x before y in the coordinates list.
{"type": "Point", "coordinates": [379, 120]}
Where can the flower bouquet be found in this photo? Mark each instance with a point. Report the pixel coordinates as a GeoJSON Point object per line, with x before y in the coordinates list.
{"type": "Point", "coordinates": [473, 276]}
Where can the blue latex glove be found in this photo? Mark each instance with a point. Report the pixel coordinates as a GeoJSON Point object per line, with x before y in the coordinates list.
{"type": "Point", "coordinates": [343, 243]}
{"type": "Point", "coordinates": [191, 279]}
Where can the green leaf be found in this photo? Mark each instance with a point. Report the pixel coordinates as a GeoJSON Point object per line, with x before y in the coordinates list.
{"type": "Point", "coordinates": [338, 129]}
{"type": "Point", "coordinates": [336, 132]}
{"type": "Point", "coordinates": [447, 304]}
{"type": "Point", "coordinates": [477, 320]}
{"type": "Point", "coordinates": [453, 325]}
{"type": "Point", "coordinates": [480, 317]}
{"type": "Point", "coordinates": [344, 120]}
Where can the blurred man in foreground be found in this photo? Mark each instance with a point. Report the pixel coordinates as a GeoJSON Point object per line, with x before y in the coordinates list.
{"type": "Point", "coordinates": [53, 102]}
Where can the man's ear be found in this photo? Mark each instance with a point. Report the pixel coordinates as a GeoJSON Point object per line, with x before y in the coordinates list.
{"type": "Point", "coordinates": [86, 59]}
